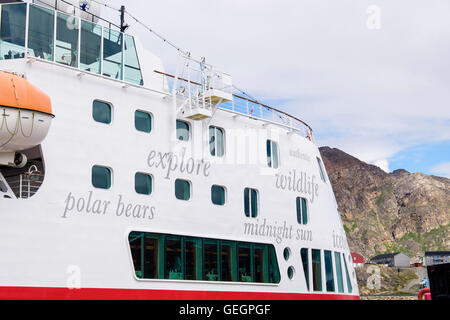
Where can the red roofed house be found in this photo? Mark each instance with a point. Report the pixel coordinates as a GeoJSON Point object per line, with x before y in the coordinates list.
{"type": "Point", "coordinates": [357, 259]}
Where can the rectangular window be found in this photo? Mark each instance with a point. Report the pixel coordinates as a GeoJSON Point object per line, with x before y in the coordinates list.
{"type": "Point", "coordinates": [302, 210]}
{"type": "Point", "coordinates": [272, 154]}
{"type": "Point", "coordinates": [245, 263]}
{"type": "Point", "coordinates": [173, 258]}
{"type": "Point", "coordinates": [316, 269]}
{"type": "Point", "coordinates": [143, 121]}
{"type": "Point", "coordinates": [211, 262]}
{"type": "Point", "coordinates": [132, 68]}
{"type": "Point", "coordinates": [321, 170]}
{"type": "Point", "coordinates": [218, 194]}
{"type": "Point", "coordinates": [12, 31]}
{"type": "Point", "coordinates": [251, 202]}
{"type": "Point", "coordinates": [91, 47]}
{"type": "Point", "coordinates": [143, 183]}
{"type": "Point", "coordinates": [102, 112]}
{"type": "Point", "coordinates": [192, 258]}
{"type": "Point", "coordinates": [216, 141]}
{"type": "Point", "coordinates": [349, 282]}
{"type": "Point", "coordinates": [305, 262]}
{"type": "Point", "coordinates": [337, 262]}
{"type": "Point", "coordinates": [182, 130]}
{"type": "Point", "coordinates": [66, 49]}
{"type": "Point", "coordinates": [112, 53]}
{"type": "Point", "coordinates": [329, 271]}
{"type": "Point", "coordinates": [182, 189]}
{"type": "Point", "coordinates": [101, 177]}
{"type": "Point", "coordinates": [41, 32]}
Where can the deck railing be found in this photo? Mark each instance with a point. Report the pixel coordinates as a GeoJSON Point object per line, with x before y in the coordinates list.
{"type": "Point", "coordinates": [25, 185]}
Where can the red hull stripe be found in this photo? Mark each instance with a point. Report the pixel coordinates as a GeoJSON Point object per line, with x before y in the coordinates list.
{"type": "Point", "coordinates": [43, 293]}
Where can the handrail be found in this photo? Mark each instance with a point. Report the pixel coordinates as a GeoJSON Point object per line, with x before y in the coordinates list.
{"type": "Point", "coordinates": [243, 98]}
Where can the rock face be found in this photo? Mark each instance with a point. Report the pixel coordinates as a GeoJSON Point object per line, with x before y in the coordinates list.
{"type": "Point", "coordinates": [383, 213]}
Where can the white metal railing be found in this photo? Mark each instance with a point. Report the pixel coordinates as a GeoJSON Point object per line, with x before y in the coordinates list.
{"type": "Point", "coordinates": [25, 185]}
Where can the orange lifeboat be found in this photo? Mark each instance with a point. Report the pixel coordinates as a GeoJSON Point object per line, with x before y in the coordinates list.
{"type": "Point", "coordinates": [25, 114]}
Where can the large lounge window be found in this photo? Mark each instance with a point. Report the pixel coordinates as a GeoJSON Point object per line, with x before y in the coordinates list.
{"type": "Point", "coordinates": [272, 154]}
{"type": "Point", "coordinates": [305, 262]}
{"type": "Point", "coordinates": [66, 50]}
{"type": "Point", "coordinates": [251, 202]}
{"type": "Point", "coordinates": [41, 32]}
{"type": "Point", "coordinates": [316, 269]}
{"type": "Point", "coordinates": [166, 256]}
{"type": "Point", "coordinates": [12, 31]}
{"type": "Point", "coordinates": [112, 53]}
{"type": "Point", "coordinates": [216, 141]}
{"type": "Point", "coordinates": [349, 282]}
{"type": "Point", "coordinates": [90, 49]}
{"type": "Point", "coordinates": [337, 262]}
{"type": "Point", "coordinates": [329, 271]}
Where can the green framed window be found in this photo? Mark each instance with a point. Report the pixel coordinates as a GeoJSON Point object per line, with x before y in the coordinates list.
{"type": "Point", "coordinates": [302, 210]}
{"type": "Point", "coordinates": [337, 262]}
{"type": "Point", "coordinates": [143, 121]}
{"type": "Point", "coordinates": [182, 189]}
{"type": "Point", "coordinates": [102, 112]}
{"type": "Point", "coordinates": [349, 282]}
{"type": "Point", "coordinates": [218, 195]}
{"type": "Point", "coordinates": [183, 132]}
{"type": "Point", "coordinates": [177, 257]}
{"type": "Point", "coordinates": [329, 276]}
{"type": "Point", "coordinates": [143, 183]}
{"type": "Point", "coordinates": [216, 141]}
{"type": "Point", "coordinates": [251, 202]}
{"type": "Point", "coordinates": [101, 177]}
{"type": "Point", "coordinates": [272, 154]}
{"type": "Point", "coordinates": [316, 261]}
{"type": "Point", "coordinates": [305, 263]}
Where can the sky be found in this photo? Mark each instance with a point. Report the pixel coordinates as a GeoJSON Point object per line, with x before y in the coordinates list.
{"type": "Point", "coordinates": [370, 77]}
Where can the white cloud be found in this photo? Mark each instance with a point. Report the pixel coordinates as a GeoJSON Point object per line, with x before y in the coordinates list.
{"type": "Point", "coordinates": [383, 165]}
{"type": "Point", "coordinates": [372, 93]}
{"type": "Point", "coordinates": [442, 169]}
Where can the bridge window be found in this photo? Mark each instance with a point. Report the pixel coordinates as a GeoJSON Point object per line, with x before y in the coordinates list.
{"type": "Point", "coordinates": [132, 68]}
{"type": "Point", "coordinates": [182, 130]}
{"type": "Point", "coordinates": [305, 262]}
{"type": "Point", "coordinates": [12, 31]}
{"type": "Point", "coordinates": [102, 112]}
{"type": "Point", "coordinates": [321, 170]}
{"type": "Point", "coordinates": [40, 32]}
{"type": "Point", "coordinates": [101, 177]}
{"type": "Point", "coordinates": [316, 269]}
{"type": "Point", "coordinates": [216, 141]}
{"type": "Point", "coordinates": [329, 271]}
{"type": "Point", "coordinates": [182, 189]}
{"type": "Point", "coordinates": [112, 53]}
{"type": "Point", "coordinates": [143, 121]}
{"type": "Point", "coordinates": [337, 262]}
{"type": "Point", "coordinates": [143, 183]}
{"type": "Point", "coordinates": [302, 210]}
{"type": "Point", "coordinates": [165, 256]}
{"type": "Point", "coordinates": [272, 154]}
{"type": "Point", "coordinates": [90, 49]}
{"type": "Point", "coordinates": [218, 194]}
{"type": "Point", "coordinates": [66, 50]}
{"type": "Point", "coordinates": [251, 202]}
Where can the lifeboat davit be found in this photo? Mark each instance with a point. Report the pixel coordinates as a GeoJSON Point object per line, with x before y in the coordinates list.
{"type": "Point", "coordinates": [25, 114]}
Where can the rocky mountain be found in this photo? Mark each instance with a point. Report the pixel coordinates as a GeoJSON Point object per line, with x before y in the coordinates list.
{"type": "Point", "coordinates": [389, 212]}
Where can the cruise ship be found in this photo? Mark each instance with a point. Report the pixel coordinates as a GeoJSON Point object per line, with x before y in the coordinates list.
{"type": "Point", "coordinates": [119, 180]}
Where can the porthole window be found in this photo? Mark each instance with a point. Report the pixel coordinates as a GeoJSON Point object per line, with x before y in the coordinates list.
{"type": "Point", "coordinates": [182, 130]}
{"type": "Point", "coordinates": [143, 121]}
{"type": "Point", "coordinates": [102, 112]}
{"type": "Point", "coordinates": [291, 272]}
{"type": "Point", "coordinates": [182, 189]}
{"type": "Point", "coordinates": [143, 183]}
{"type": "Point", "coordinates": [286, 253]}
{"type": "Point", "coordinates": [101, 177]}
{"type": "Point", "coordinates": [218, 194]}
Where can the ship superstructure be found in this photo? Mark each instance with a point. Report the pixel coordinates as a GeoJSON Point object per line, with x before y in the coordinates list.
{"type": "Point", "coordinates": [121, 181]}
